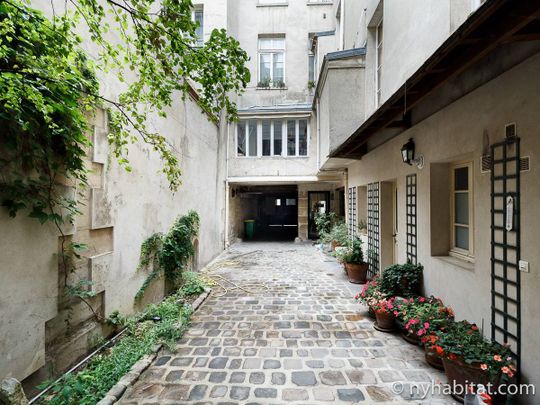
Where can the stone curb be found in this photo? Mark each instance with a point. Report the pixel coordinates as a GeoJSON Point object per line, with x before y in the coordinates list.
{"type": "Point", "coordinates": [116, 392]}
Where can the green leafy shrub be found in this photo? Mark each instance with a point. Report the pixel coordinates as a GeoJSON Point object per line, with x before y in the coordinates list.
{"type": "Point", "coordinates": [402, 279]}
{"type": "Point", "coordinates": [353, 253]}
{"type": "Point", "coordinates": [192, 283]}
{"type": "Point", "coordinates": [158, 323]}
{"type": "Point", "coordinates": [421, 316]}
{"type": "Point", "coordinates": [324, 222]}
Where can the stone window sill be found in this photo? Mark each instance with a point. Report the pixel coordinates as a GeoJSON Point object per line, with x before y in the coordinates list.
{"type": "Point", "coordinates": [271, 88]}
{"type": "Point", "coordinates": [463, 264]}
{"type": "Point", "coordinates": [273, 5]}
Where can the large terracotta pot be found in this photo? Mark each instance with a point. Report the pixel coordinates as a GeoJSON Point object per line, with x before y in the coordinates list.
{"type": "Point", "coordinates": [433, 359]}
{"type": "Point", "coordinates": [460, 374]}
{"type": "Point", "coordinates": [357, 273]}
{"type": "Point", "coordinates": [386, 321]}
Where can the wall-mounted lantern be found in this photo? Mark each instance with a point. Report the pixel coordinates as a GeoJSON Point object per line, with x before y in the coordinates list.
{"type": "Point", "coordinates": [407, 154]}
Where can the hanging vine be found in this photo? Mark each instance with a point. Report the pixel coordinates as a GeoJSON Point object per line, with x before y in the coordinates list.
{"type": "Point", "coordinates": [169, 253]}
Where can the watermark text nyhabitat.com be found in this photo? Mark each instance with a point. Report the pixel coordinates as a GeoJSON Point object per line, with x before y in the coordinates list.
{"type": "Point", "coordinates": [427, 390]}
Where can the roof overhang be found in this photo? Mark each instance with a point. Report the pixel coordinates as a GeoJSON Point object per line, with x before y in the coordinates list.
{"type": "Point", "coordinates": [495, 24]}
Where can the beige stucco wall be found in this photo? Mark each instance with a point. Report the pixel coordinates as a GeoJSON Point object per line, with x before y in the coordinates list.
{"type": "Point", "coordinates": [453, 134]}
{"type": "Point", "coordinates": [121, 210]}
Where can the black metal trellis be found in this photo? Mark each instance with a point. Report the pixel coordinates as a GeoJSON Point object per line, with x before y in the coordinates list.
{"type": "Point", "coordinates": [411, 218]}
{"type": "Point", "coordinates": [505, 244]}
{"type": "Point", "coordinates": [352, 212]}
{"type": "Point", "coordinates": [373, 229]}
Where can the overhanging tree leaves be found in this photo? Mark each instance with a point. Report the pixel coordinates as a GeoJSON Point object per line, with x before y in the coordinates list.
{"type": "Point", "coordinates": [48, 87]}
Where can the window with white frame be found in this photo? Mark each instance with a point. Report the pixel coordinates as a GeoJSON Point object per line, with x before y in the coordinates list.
{"type": "Point", "coordinates": [271, 57]}
{"type": "Point", "coordinates": [247, 142]}
{"type": "Point", "coordinates": [378, 61]}
{"type": "Point", "coordinates": [272, 133]}
{"type": "Point", "coordinates": [198, 17]}
{"type": "Point", "coordinates": [311, 67]}
{"type": "Point", "coordinates": [461, 212]}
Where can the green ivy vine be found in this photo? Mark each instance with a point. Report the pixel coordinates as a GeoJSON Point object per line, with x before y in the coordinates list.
{"type": "Point", "coordinates": [169, 253]}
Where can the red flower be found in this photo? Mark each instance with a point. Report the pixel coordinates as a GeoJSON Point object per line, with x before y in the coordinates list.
{"type": "Point", "coordinates": [452, 356]}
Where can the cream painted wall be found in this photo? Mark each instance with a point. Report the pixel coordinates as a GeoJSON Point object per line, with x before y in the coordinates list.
{"type": "Point", "coordinates": [123, 210]}
{"type": "Point", "coordinates": [456, 133]}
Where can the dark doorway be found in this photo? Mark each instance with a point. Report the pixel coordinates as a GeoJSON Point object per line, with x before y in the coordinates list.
{"type": "Point", "coordinates": [318, 203]}
{"type": "Point", "coordinates": [274, 209]}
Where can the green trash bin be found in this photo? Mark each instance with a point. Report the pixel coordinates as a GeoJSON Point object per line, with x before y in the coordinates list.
{"type": "Point", "coordinates": [249, 228]}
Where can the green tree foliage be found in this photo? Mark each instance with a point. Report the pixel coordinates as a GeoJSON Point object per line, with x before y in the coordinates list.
{"type": "Point", "coordinates": [48, 89]}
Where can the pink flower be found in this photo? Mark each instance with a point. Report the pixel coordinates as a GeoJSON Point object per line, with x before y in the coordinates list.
{"type": "Point", "coordinates": [396, 313]}
{"type": "Point", "coordinates": [426, 325]}
{"type": "Point", "coordinates": [484, 367]}
{"type": "Point", "coordinates": [497, 357]}
{"type": "Point", "coordinates": [505, 370]}
{"type": "Point", "coordinates": [421, 299]}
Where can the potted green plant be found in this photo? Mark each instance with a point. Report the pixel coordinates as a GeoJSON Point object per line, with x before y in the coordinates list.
{"type": "Point", "coordinates": [433, 352]}
{"type": "Point", "coordinates": [402, 279]}
{"type": "Point", "coordinates": [338, 235]}
{"type": "Point", "coordinates": [353, 259]}
{"type": "Point", "coordinates": [370, 292]}
{"type": "Point", "coordinates": [469, 359]}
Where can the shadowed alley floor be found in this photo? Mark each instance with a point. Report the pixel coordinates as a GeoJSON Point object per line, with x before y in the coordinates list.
{"type": "Point", "coordinates": [293, 333]}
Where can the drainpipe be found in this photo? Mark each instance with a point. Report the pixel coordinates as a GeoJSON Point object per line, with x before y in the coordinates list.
{"type": "Point", "coordinates": [227, 187]}
{"type": "Point", "coordinates": [318, 133]}
{"type": "Point", "coordinates": [342, 19]}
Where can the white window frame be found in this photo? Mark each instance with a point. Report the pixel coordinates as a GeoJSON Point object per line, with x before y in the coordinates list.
{"type": "Point", "coordinates": [455, 251]}
{"type": "Point", "coordinates": [378, 62]}
{"type": "Point", "coordinates": [196, 9]}
{"type": "Point", "coordinates": [284, 137]}
{"type": "Point", "coordinates": [272, 53]}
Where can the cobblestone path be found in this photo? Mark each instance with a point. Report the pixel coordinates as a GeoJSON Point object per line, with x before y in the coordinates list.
{"type": "Point", "coordinates": [302, 340]}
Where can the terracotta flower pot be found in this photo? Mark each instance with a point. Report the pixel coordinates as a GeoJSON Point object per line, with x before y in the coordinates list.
{"type": "Point", "coordinates": [333, 245]}
{"type": "Point", "coordinates": [460, 374]}
{"type": "Point", "coordinates": [386, 321]}
{"type": "Point", "coordinates": [357, 273]}
{"type": "Point", "coordinates": [433, 359]}
{"type": "Point", "coordinates": [412, 338]}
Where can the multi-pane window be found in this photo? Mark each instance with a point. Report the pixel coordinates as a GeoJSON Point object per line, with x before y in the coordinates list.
{"type": "Point", "coordinates": [271, 61]}
{"type": "Point", "coordinates": [462, 210]}
{"type": "Point", "coordinates": [272, 133]}
{"type": "Point", "coordinates": [198, 16]}
{"type": "Point", "coordinates": [246, 138]}
{"type": "Point", "coordinates": [378, 61]}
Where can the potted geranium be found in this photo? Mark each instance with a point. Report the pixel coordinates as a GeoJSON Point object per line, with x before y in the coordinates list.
{"type": "Point", "coordinates": [369, 294]}
{"type": "Point", "coordinates": [384, 313]}
{"type": "Point", "coordinates": [469, 359]}
{"type": "Point", "coordinates": [353, 259]}
{"type": "Point", "coordinates": [421, 316]}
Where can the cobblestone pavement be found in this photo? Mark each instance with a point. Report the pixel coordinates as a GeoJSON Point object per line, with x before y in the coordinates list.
{"type": "Point", "coordinates": [301, 340]}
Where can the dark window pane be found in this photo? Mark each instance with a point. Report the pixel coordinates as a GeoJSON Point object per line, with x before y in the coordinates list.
{"type": "Point", "coordinates": [266, 138]}
{"type": "Point", "coordinates": [461, 178]}
{"type": "Point", "coordinates": [278, 129]}
{"type": "Point", "coordinates": [302, 137]}
{"type": "Point", "coordinates": [252, 138]}
{"type": "Point", "coordinates": [461, 208]}
{"type": "Point", "coordinates": [462, 237]}
{"type": "Point", "coordinates": [291, 138]}
{"type": "Point", "coordinates": [241, 138]}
